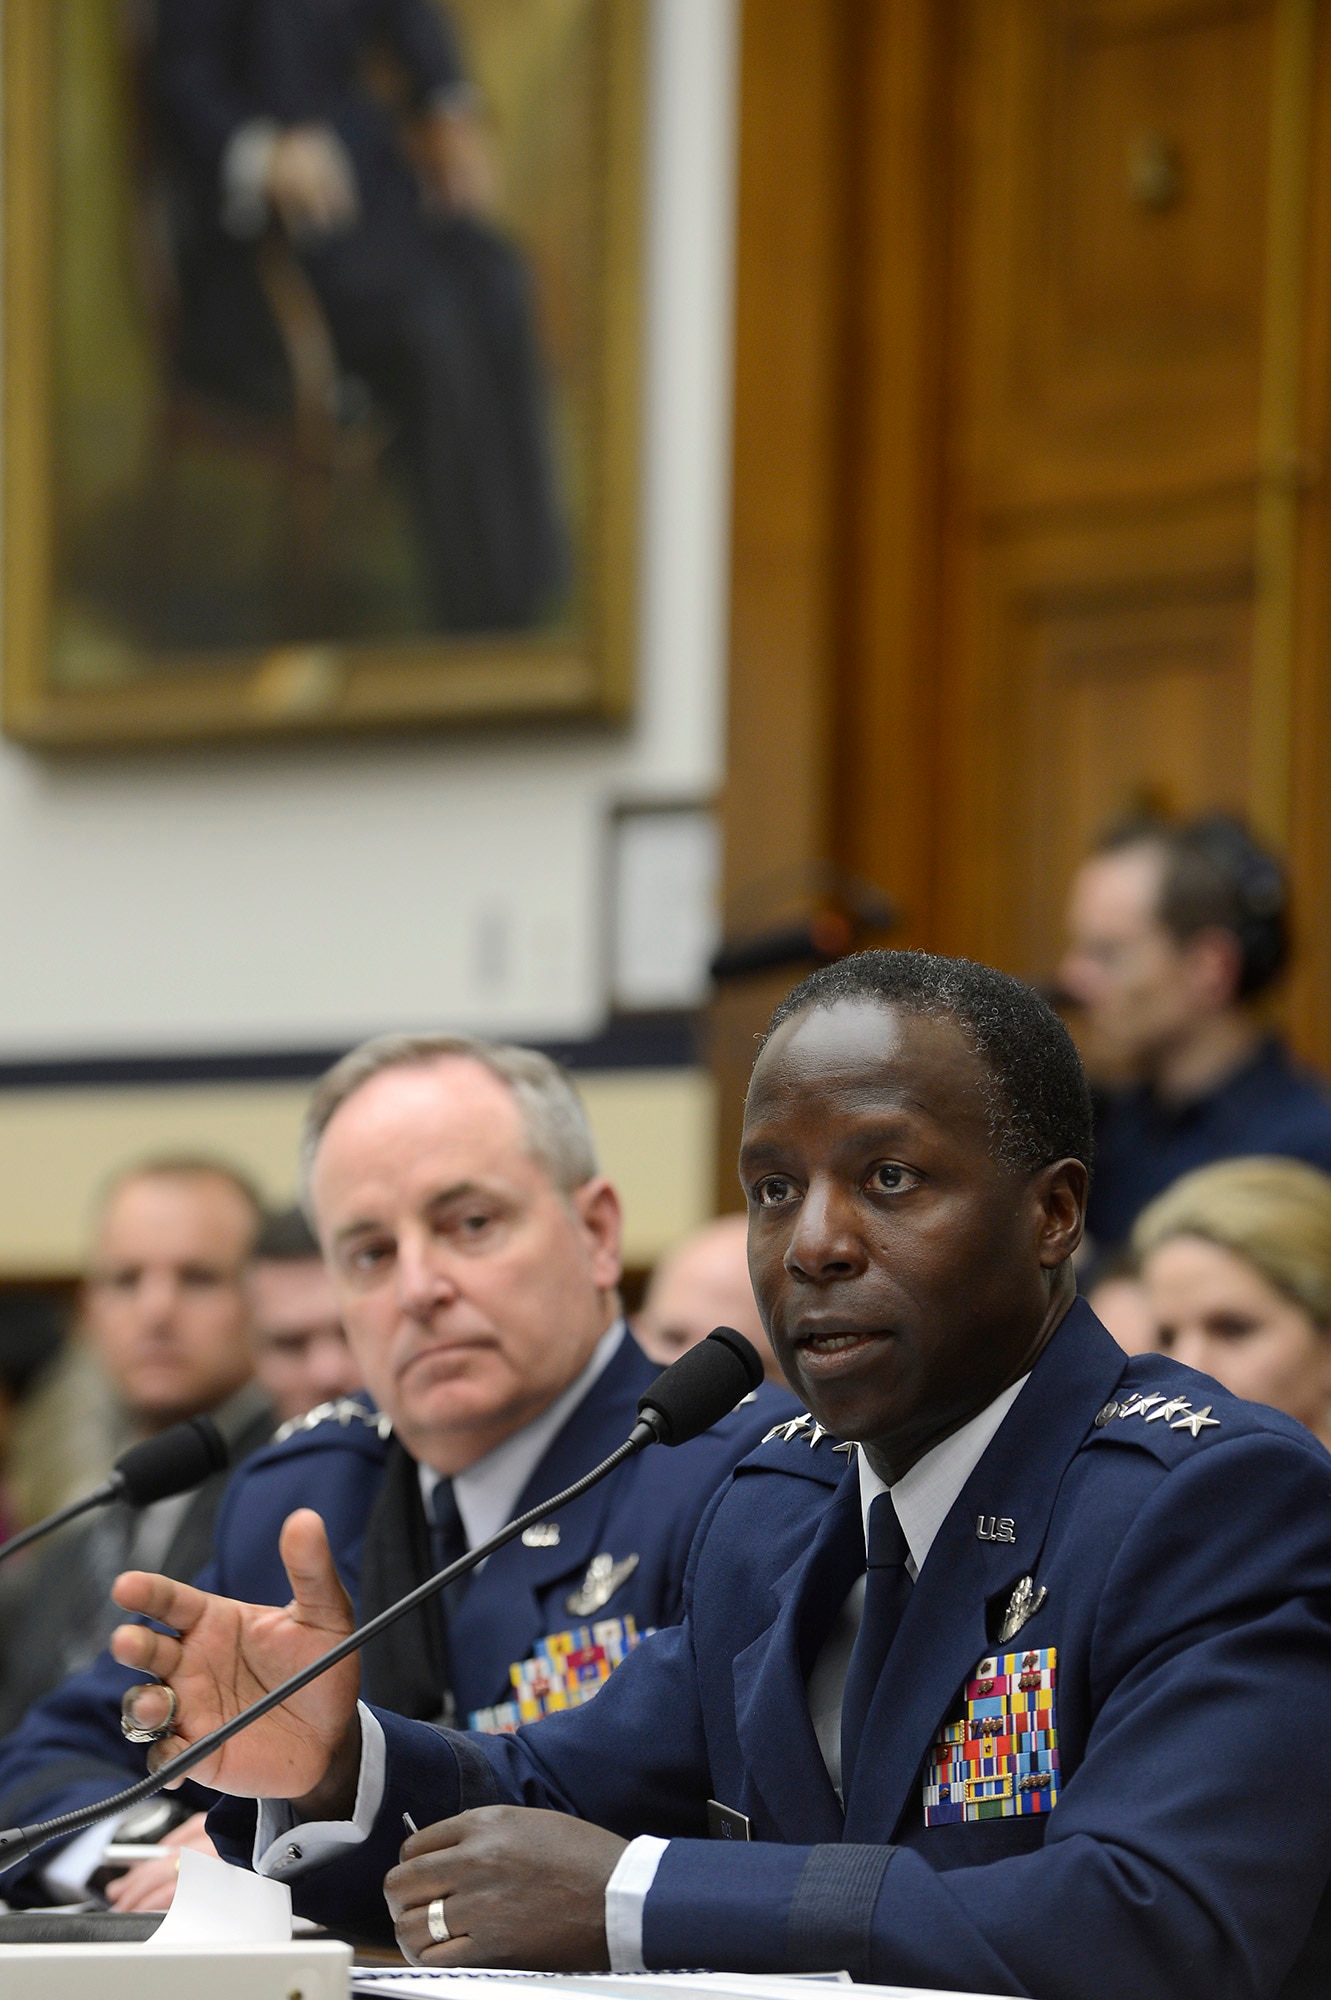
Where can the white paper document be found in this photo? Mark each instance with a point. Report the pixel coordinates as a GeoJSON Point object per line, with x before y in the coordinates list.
{"type": "Point", "coordinates": [217, 1904]}
{"type": "Point", "coordinates": [419, 1983]}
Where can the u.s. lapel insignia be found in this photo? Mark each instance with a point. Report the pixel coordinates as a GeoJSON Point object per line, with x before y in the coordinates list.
{"type": "Point", "coordinates": [541, 1535]}
{"type": "Point", "coordinates": [1023, 1604]}
{"type": "Point", "coordinates": [603, 1578]}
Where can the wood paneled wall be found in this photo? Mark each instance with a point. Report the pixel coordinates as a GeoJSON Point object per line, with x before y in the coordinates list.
{"type": "Point", "coordinates": [1033, 415]}
{"type": "Point", "coordinates": [794, 172]}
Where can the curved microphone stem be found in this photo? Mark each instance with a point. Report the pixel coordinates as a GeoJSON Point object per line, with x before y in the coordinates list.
{"type": "Point", "coordinates": [108, 1490]}
{"type": "Point", "coordinates": [20, 1841]}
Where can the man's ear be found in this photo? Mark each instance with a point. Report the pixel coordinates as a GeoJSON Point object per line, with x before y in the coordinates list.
{"type": "Point", "coordinates": [596, 1205]}
{"type": "Point", "coordinates": [1061, 1191]}
{"type": "Point", "coordinates": [1213, 960]}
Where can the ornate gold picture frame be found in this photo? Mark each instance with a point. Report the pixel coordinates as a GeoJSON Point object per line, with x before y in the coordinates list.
{"type": "Point", "coordinates": [182, 561]}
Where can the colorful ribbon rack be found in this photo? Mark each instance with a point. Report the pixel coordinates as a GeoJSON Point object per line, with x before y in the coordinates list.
{"type": "Point", "coordinates": [566, 1670]}
{"type": "Point", "coordinates": [1000, 1760]}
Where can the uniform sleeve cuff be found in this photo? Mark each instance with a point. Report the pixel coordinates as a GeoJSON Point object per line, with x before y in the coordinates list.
{"type": "Point", "coordinates": [284, 1850]}
{"type": "Point", "coordinates": [625, 1894]}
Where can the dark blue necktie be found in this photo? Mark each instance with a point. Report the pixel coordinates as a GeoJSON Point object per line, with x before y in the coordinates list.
{"type": "Point", "coordinates": [448, 1540]}
{"type": "Point", "coordinates": [887, 1589]}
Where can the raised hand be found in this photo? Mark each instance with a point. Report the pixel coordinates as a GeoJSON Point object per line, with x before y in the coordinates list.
{"type": "Point", "coordinates": [228, 1654]}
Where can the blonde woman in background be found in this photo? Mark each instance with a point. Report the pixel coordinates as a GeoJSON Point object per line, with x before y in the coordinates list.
{"type": "Point", "coordinates": [1236, 1264]}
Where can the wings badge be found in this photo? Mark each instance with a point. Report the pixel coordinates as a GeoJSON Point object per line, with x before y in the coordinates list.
{"type": "Point", "coordinates": [603, 1578]}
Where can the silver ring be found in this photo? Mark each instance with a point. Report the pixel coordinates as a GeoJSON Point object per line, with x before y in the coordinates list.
{"type": "Point", "coordinates": [137, 1732]}
{"type": "Point", "coordinates": [435, 1921]}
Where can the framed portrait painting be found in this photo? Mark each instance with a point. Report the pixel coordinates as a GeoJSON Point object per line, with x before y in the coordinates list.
{"type": "Point", "coordinates": [321, 352]}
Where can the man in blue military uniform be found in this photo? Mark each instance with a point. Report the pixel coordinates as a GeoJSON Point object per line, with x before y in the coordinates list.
{"type": "Point", "coordinates": [474, 1249]}
{"type": "Point", "coordinates": [1023, 1695]}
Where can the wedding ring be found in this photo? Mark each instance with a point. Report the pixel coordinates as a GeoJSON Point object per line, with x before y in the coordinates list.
{"type": "Point", "coordinates": [435, 1922]}
{"type": "Point", "coordinates": [138, 1732]}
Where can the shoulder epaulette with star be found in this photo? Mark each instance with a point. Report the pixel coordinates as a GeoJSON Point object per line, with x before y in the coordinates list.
{"type": "Point", "coordinates": [807, 1429]}
{"type": "Point", "coordinates": [346, 1410]}
{"type": "Point", "coordinates": [1175, 1411]}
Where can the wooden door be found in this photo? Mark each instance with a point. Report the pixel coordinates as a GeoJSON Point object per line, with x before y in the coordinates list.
{"type": "Point", "coordinates": [1100, 542]}
{"type": "Point", "coordinates": [1049, 538]}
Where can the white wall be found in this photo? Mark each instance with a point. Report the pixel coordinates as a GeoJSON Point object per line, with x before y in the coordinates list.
{"type": "Point", "coordinates": [653, 1129]}
{"type": "Point", "coordinates": [298, 897]}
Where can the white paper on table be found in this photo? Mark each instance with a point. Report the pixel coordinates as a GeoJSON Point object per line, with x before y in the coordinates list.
{"type": "Point", "coordinates": [217, 1904]}
{"type": "Point", "coordinates": [421, 1983]}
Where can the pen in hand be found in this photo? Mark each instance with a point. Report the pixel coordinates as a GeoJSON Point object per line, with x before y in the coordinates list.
{"type": "Point", "coordinates": [409, 1823]}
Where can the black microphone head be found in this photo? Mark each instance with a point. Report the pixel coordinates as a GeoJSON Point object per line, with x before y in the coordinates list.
{"type": "Point", "coordinates": [703, 1386]}
{"type": "Point", "coordinates": [172, 1462]}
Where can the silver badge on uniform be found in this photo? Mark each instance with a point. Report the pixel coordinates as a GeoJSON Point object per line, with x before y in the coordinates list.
{"type": "Point", "coordinates": [541, 1535]}
{"type": "Point", "coordinates": [603, 1578]}
{"type": "Point", "coordinates": [1022, 1605]}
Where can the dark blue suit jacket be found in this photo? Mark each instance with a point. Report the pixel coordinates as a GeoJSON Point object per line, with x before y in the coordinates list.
{"type": "Point", "coordinates": [69, 1751]}
{"type": "Point", "coordinates": [1271, 1105]}
{"type": "Point", "coordinates": [1188, 1595]}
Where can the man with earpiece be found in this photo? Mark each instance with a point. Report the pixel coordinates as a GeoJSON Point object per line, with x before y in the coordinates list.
{"type": "Point", "coordinates": [1176, 935]}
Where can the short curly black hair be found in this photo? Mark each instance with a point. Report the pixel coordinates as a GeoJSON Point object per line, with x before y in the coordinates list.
{"type": "Point", "coordinates": [1039, 1104]}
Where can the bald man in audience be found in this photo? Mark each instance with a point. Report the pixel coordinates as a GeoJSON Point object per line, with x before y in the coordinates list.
{"type": "Point", "coordinates": [703, 1282]}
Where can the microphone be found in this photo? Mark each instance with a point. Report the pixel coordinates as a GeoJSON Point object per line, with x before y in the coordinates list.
{"type": "Point", "coordinates": [694, 1393]}
{"type": "Point", "coordinates": [172, 1462]}
{"type": "Point", "coordinates": [683, 1402]}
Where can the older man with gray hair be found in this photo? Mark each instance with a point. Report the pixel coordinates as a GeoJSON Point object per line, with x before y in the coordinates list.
{"type": "Point", "coordinates": [474, 1250]}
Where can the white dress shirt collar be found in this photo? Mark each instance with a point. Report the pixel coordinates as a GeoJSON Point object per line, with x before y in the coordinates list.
{"type": "Point", "coordinates": [926, 1495]}
{"type": "Point", "coordinates": [487, 1492]}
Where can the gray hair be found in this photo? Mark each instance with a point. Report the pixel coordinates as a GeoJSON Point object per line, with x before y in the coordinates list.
{"type": "Point", "coordinates": [553, 1116]}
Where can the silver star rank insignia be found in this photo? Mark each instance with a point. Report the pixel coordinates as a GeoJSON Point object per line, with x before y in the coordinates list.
{"type": "Point", "coordinates": [1169, 1409]}
{"type": "Point", "coordinates": [1137, 1404]}
{"type": "Point", "coordinates": [807, 1428]}
{"type": "Point", "coordinates": [1197, 1421]}
{"type": "Point", "coordinates": [797, 1427]}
